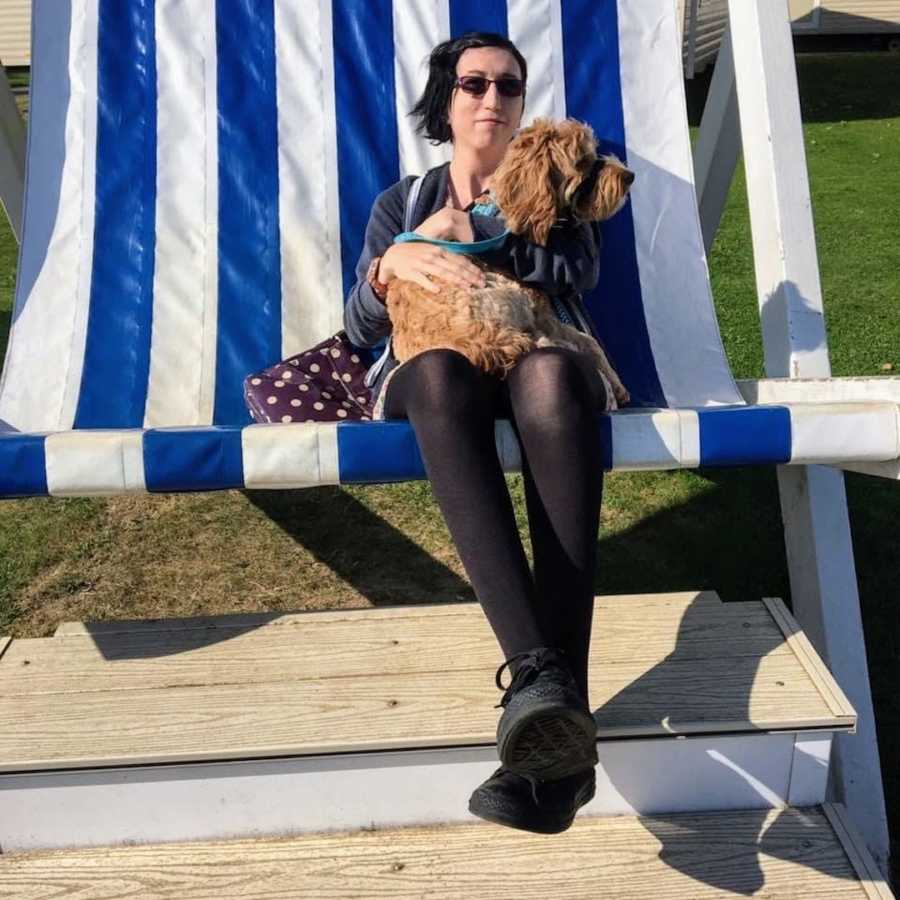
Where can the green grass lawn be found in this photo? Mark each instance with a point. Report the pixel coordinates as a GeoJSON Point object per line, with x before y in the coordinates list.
{"type": "Point", "coordinates": [719, 529]}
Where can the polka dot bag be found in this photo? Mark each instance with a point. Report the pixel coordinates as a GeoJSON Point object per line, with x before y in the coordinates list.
{"type": "Point", "coordinates": [322, 384]}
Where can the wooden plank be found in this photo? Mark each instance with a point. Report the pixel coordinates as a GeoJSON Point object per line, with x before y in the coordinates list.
{"type": "Point", "coordinates": [371, 712]}
{"type": "Point", "coordinates": [242, 620]}
{"type": "Point", "coordinates": [126, 660]}
{"type": "Point", "coordinates": [776, 853]}
{"type": "Point", "coordinates": [809, 659]}
{"type": "Point", "coordinates": [870, 877]}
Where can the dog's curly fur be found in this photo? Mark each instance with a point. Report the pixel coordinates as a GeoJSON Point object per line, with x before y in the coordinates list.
{"type": "Point", "coordinates": [535, 185]}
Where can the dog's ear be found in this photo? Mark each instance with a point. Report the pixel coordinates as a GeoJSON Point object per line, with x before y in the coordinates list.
{"type": "Point", "coordinates": [523, 183]}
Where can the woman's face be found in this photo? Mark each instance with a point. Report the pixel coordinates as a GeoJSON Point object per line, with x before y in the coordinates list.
{"type": "Point", "coordinates": [491, 120]}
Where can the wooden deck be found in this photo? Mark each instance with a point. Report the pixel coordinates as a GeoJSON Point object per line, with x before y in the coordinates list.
{"type": "Point", "coordinates": [226, 687]}
{"type": "Point", "coordinates": [800, 854]}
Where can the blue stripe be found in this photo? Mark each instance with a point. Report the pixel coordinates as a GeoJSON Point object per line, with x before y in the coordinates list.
{"type": "Point", "coordinates": [594, 95]}
{"type": "Point", "coordinates": [738, 436]}
{"type": "Point", "coordinates": [23, 469]}
{"type": "Point", "coordinates": [193, 459]}
{"type": "Point", "coordinates": [381, 452]}
{"type": "Point", "coordinates": [113, 389]}
{"type": "Point", "coordinates": [249, 329]}
{"type": "Point", "coordinates": [478, 15]}
{"type": "Point", "coordinates": [378, 453]}
{"type": "Point", "coordinates": [367, 143]}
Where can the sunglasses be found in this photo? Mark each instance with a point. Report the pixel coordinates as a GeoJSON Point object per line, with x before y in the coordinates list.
{"type": "Point", "coordinates": [477, 85]}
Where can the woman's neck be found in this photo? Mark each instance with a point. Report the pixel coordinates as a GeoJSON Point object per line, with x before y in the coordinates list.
{"type": "Point", "coordinates": [470, 175]}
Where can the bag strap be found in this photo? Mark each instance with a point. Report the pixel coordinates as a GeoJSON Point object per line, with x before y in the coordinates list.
{"type": "Point", "coordinates": [411, 199]}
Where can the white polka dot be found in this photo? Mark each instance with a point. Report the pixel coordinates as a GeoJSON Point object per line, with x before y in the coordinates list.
{"type": "Point", "coordinates": [324, 351]}
{"type": "Point", "coordinates": [345, 403]}
{"type": "Point", "coordinates": [335, 352]}
{"type": "Point", "coordinates": [335, 376]}
{"type": "Point", "coordinates": [342, 413]}
{"type": "Point", "coordinates": [271, 400]}
{"type": "Point", "coordinates": [294, 362]}
{"type": "Point", "coordinates": [326, 395]}
{"type": "Point", "coordinates": [287, 374]}
{"type": "Point", "coordinates": [318, 405]}
{"type": "Point", "coordinates": [304, 387]}
{"type": "Point", "coordinates": [314, 367]}
{"type": "Point", "coordinates": [354, 358]}
{"type": "Point", "coordinates": [367, 418]}
{"type": "Point", "coordinates": [287, 418]}
{"type": "Point", "coordinates": [310, 420]}
{"type": "Point", "coordinates": [361, 399]}
{"type": "Point", "coordinates": [279, 384]}
{"type": "Point", "coordinates": [307, 354]}
{"type": "Point", "coordinates": [256, 381]}
{"type": "Point", "coordinates": [347, 376]}
{"type": "Point", "coordinates": [295, 402]}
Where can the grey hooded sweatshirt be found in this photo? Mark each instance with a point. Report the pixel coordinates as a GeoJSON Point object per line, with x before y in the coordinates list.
{"type": "Point", "coordinates": [566, 267]}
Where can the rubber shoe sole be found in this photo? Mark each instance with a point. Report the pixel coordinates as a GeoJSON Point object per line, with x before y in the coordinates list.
{"type": "Point", "coordinates": [504, 801]}
{"type": "Point", "coordinates": [547, 739]}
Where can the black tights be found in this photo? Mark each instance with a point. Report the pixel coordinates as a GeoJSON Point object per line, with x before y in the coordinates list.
{"type": "Point", "coordinates": [552, 398]}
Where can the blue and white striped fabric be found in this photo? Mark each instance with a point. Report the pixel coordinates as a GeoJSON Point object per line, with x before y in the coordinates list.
{"type": "Point", "coordinates": [200, 174]}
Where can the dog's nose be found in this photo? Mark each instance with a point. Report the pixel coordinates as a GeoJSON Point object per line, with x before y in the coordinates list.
{"type": "Point", "coordinates": [629, 177]}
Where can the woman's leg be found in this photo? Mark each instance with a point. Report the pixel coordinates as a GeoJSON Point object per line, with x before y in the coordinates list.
{"type": "Point", "coordinates": [555, 399]}
{"type": "Point", "coordinates": [451, 406]}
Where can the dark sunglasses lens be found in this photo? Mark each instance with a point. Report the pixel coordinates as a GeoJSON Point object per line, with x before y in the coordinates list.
{"type": "Point", "coordinates": [476, 85]}
{"type": "Point", "coordinates": [472, 84]}
{"type": "Point", "coordinates": [510, 87]}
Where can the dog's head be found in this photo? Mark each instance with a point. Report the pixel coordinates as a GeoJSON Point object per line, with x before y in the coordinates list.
{"type": "Point", "coordinates": [551, 171]}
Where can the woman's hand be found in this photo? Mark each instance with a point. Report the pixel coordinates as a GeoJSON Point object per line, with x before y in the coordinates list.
{"type": "Point", "coordinates": [419, 262]}
{"type": "Point", "coordinates": [448, 225]}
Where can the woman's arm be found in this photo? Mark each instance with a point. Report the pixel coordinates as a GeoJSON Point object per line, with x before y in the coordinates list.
{"type": "Point", "coordinates": [366, 319]}
{"type": "Point", "coordinates": [571, 259]}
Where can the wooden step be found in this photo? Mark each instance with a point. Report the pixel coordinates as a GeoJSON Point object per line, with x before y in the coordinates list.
{"type": "Point", "coordinates": [795, 853]}
{"type": "Point", "coordinates": [333, 716]}
{"type": "Point", "coordinates": [352, 680]}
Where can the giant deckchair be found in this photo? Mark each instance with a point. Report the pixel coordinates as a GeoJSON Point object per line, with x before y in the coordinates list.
{"type": "Point", "coordinates": [199, 178]}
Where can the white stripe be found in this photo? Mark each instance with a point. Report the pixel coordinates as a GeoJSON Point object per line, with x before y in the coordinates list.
{"type": "Point", "coordinates": [655, 439]}
{"type": "Point", "coordinates": [826, 432]}
{"type": "Point", "coordinates": [185, 229]}
{"type": "Point", "coordinates": [419, 25]}
{"type": "Point", "coordinates": [95, 462]}
{"type": "Point", "coordinates": [535, 27]}
{"type": "Point", "coordinates": [211, 207]}
{"type": "Point", "coordinates": [678, 305]}
{"type": "Point", "coordinates": [293, 455]}
{"type": "Point", "coordinates": [42, 373]}
{"type": "Point", "coordinates": [312, 303]}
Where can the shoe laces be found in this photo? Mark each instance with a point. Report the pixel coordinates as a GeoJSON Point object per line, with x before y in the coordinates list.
{"type": "Point", "coordinates": [533, 662]}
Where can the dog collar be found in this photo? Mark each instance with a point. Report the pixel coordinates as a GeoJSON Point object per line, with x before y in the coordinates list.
{"type": "Point", "coordinates": [472, 248]}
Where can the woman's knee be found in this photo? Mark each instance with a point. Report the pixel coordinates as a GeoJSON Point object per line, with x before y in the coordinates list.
{"type": "Point", "coordinates": [550, 383]}
{"type": "Point", "coordinates": [442, 379]}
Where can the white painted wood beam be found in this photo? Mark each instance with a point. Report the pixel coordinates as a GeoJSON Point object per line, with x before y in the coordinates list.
{"type": "Point", "coordinates": [718, 144]}
{"type": "Point", "coordinates": [12, 156]}
{"type": "Point", "coordinates": [824, 593]}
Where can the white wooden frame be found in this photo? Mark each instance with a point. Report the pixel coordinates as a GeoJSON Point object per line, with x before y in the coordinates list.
{"type": "Point", "coordinates": [12, 157]}
{"type": "Point", "coordinates": [755, 79]}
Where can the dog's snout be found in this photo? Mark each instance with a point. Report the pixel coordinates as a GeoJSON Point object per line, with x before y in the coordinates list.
{"type": "Point", "coordinates": [629, 177]}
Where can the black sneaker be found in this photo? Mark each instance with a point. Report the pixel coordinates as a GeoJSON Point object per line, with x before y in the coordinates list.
{"type": "Point", "coordinates": [547, 729]}
{"type": "Point", "coordinates": [523, 802]}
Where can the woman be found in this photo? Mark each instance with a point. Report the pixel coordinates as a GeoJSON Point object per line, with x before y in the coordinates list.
{"type": "Point", "coordinates": [475, 98]}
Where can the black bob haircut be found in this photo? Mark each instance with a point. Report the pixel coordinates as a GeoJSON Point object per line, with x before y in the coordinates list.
{"type": "Point", "coordinates": [432, 106]}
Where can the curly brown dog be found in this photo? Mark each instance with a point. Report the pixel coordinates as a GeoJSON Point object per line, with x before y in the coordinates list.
{"type": "Point", "coordinates": [545, 176]}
